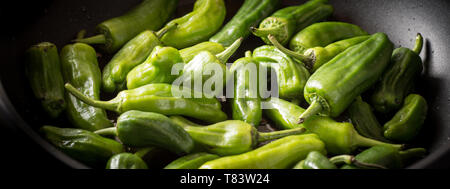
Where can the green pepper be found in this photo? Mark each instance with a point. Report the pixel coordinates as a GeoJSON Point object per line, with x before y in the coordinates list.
{"type": "Point", "coordinates": [189, 53]}
{"type": "Point", "coordinates": [80, 69]}
{"type": "Point", "coordinates": [160, 98]}
{"type": "Point", "coordinates": [143, 129]}
{"type": "Point", "coordinates": [197, 26]}
{"type": "Point", "coordinates": [340, 138]}
{"type": "Point", "coordinates": [386, 156]}
{"type": "Point", "coordinates": [291, 75]}
{"type": "Point", "coordinates": [398, 79]}
{"type": "Point", "coordinates": [408, 121]}
{"type": "Point", "coordinates": [44, 75]}
{"type": "Point", "coordinates": [82, 145]}
{"type": "Point", "coordinates": [126, 161]}
{"type": "Point", "coordinates": [316, 160]}
{"type": "Point", "coordinates": [280, 154]}
{"type": "Point", "coordinates": [191, 161]}
{"type": "Point", "coordinates": [322, 34]}
{"type": "Point", "coordinates": [318, 56]}
{"type": "Point", "coordinates": [364, 120]}
{"type": "Point", "coordinates": [155, 157]}
{"type": "Point", "coordinates": [285, 22]}
{"type": "Point", "coordinates": [249, 15]}
{"type": "Point", "coordinates": [148, 15]}
{"type": "Point", "coordinates": [334, 86]}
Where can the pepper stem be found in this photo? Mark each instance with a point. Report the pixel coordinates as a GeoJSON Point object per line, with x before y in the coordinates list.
{"type": "Point", "coordinates": [419, 44]}
{"type": "Point", "coordinates": [305, 59]}
{"type": "Point", "coordinates": [110, 131]}
{"type": "Point", "coordinates": [368, 142]}
{"type": "Point", "coordinates": [351, 160]}
{"type": "Point", "coordinates": [248, 54]}
{"type": "Point", "coordinates": [279, 134]}
{"type": "Point", "coordinates": [96, 103]}
{"type": "Point", "coordinates": [312, 110]}
{"type": "Point", "coordinates": [97, 39]}
{"type": "Point", "coordinates": [226, 54]}
{"type": "Point", "coordinates": [81, 34]}
{"type": "Point", "coordinates": [162, 31]}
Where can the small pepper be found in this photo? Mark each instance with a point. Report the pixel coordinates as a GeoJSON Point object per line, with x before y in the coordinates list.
{"type": "Point", "coordinates": [316, 160]}
{"type": "Point", "coordinates": [43, 69]}
{"type": "Point", "coordinates": [189, 53]}
{"type": "Point", "coordinates": [148, 15]}
{"type": "Point", "coordinates": [285, 22]}
{"type": "Point", "coordinates": [160, 98]}
{"type": "Point", "coordinates": [322, 34]}
{"type": "Point", "coordinates": [191, 161]}
{"type": "Point", "coordinates": [408, 121]}
{"type": "Point", "coordinates": [280, 154]}
{"type": "Point", "coordinates": [398, 79]}
{"type": "Point", "coordinates": [126, 161]}
{"type": "Point", "coordinates": [80, 69]}
{"type": "Point", "coordinates": [197, 26]}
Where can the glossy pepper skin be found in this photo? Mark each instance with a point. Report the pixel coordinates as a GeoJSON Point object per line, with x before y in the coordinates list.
{"type": "Point", "coordinates": [80, 69]}
{"type": "Point", "coordinates": [82, 145]}
{"type": "Point", "coordinates": [197, 26]}
{"type": "Point", "coordinates": [322, 34]}
{"type": "Point", "coordinates": [285, 22]}
{"type": "Point", "coordinates": [160, 98]}
{"type": "Point", "coordinates": [190, 52]}
{"type": "Point", "coordinates": [334, 86]}
{"type": "Point", "coordinates": [364, 120]}
{"type": "Point", "coordinates": [126, 161]}
{"type": "Point", "coordinates": [408, 121]}
{"type": "Point", "coordinates": [144, 129]}
{"type": "Point", "coordinates": [292, 75]}
{"type": "Point", "coordinates": [249, 14]}
{"type": "Point", "coordinates": [43, 70]}
{"type": "Point", "coordinates": [148, 15]}
{"type": "Point", "coordinates": [191, 161]}
{"type": "Point", "coordinates": [316, 160]}
{"type": "Point", "coordinates": [398, 79]}
{"type": "Point", "coordinates": [280, 154]}
{"type": "Point", "coordinates": [339, 138]}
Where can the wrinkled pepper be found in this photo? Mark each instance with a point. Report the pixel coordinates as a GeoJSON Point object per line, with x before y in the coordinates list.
{"type": "Point", "coordinates": [407, 122]}
{"type": "Point", "coordinates": [334, 86]}
{"type": "Point", "coordinates": [279, 154]}
{"type": "Point", "coordinates": [249, 14]}
{"type": "Point", "coordinates": [143, 129]}
{"type": "Point", "coordinates": [197, 26]}
{"type": "Point", "coordinates": [126, 161]}
{"type": "Point", "coordinates": [43, 70]}
{"type": "Point", "coordinates": [316, 160]}
{"type": "Point", "coordinates": [364, 120]}
{"type": "Point", "coordinates": [285, 22]}
{"type": "Point", "coordinates": [160, 98]}
{"type": "Point", "coordinates": [80, 69]}
{"type": "Point", "coordinates": [399, 78]}
{"type": "Point", "coordinates": [82, 145]}
{"type": "Point", "coordinates": [148, 15]}
{"type": "Point", "coordinates": [191, 161]}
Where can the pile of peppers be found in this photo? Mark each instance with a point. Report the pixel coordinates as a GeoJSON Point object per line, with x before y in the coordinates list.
{"type": "Point", "coordinates": [346, 97]}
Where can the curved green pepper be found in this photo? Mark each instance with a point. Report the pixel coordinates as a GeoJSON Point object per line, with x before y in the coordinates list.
{"type": "Point", "coordinates": [334, 86]}
{"type": "Point", "coordinates": [292, 76]}
{"type": "Point", "coordinates": [80, 69]}
{"type": "Point", "coordinates": [408, 121]}
{"type": "Point", "coordinates": [364, 120]}
{"type": "Point", "coordinates": [44, 75]}
{"type": "Point", "coordinates": [280, 154]}
{"type": "Point", "coordinates": [204, 21]}
{"type": "Point", "coordinates": [249, 15]}
{"type": "Point", "coordinates": [82, 145]}
{"type": "Point", "coordinates": [148, 15]}
{"type": "Point", "coordinates": [190, 52]}
{"type": "Point", "coordinates": [285, 22]}
{"type": "Point", "coordinates": [316, 160]}
{"type": "Point", "coordinates": [160, 98]}
{"type": "Point", "coordinates": [315, 57]}
{"type": "Point", "coordinates": [191, 161]}
{"type": "Point", "coordinates": [126, 161]}
{"type": "Point", "coordinates": [143, 129]}
{"type": "Point", "coordinates": [322, 34]}
{"type": "Point", "coordinates": [398, 80]}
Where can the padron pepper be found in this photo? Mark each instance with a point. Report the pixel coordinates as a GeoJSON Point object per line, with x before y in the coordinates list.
{"type": "Point", "coordinates": [334, 86]}
{"type": "Point", "coordinates": [249, 14]}
{"type": "Point", "coordinates": [143, 129]}
{"type": "Point", "coordinates": [43, 70]}
{"type": "Point", "coordinates": [398, 79]}
{"type": "Point", "coordinates": [191, 161]}
{"type": "Point", "coordinates": [339, 138]}
{"type": "Point", "coordinates": [80, 69]}
{"type": "Point", "coordinates": [408, 121]}
{"type": "Point", "coordinates": [82, 145]}
{"type": "Point", "coordinates": [197, 26]}
{"type": "Point", "coordinates": [285, 22]}
{"type": "Point", "coordinates": [160, 98]}
{"type": "Point", "coordinates": [148, 15]}
{"type": "Point", "coordinates": [189, 53]}
{"type": "Point", "coordinates": [316, 160]}
{"type": "Point", "coordinates": [126, 161]}
{"type": "Point", "coordinates": [279, 154]}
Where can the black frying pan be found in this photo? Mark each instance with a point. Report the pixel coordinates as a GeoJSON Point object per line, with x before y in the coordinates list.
{"type": "Point", "coordinates": [31, 22]}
